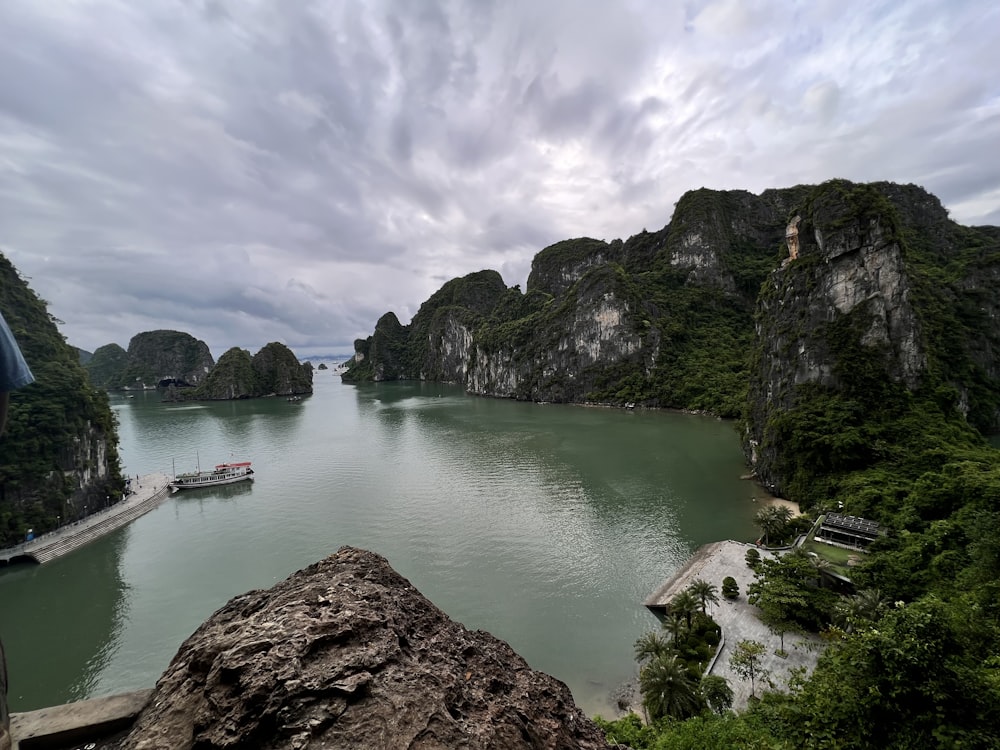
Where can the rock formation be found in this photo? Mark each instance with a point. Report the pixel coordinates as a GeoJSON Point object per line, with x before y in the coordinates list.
{"type": "Point", "coordinates": [346, 653]}
{"type": "Point", "coordinates": [863, 305]}
{"type": "Point", "coordinates": [734, 307]}
{"type": "Point", "coordinates": [279, 372]}
{"type": "Point", "coordinates": [274, 370]}
{"type": "Point", "coordinates": [161, 358]}
{"type": "Point", "coordinates": [107, 366]}
{"type": "Point", "coordinates": [232, 377]}
{"type": "Point", "coordinates": [59, 455]}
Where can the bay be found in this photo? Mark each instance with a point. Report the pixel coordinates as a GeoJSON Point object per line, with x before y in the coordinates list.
{"type": "Point", "coordinates": [546, 525]}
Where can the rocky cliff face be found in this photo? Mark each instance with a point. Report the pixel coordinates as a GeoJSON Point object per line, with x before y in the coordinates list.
{"type": "Point", "coordinates": [860, 281]}
{"type": "Point", "coordinates": [346, 653]}
{"type": "Point", "coordinates": [161, 358]}
{"type": "Point", "coordinates": [279, 372]}
{"type": "Point", "coordinates": [59, 455]}
{"type": "Point", "coordinates": [595, 314]}
{"type": "Point", "coordinates": [877, 296]}
{"type": "Point", "coordinates": [274, 370]}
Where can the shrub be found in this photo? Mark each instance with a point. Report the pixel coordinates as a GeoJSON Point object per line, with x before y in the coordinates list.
{"type": "Point", "coordinates": [753, 558]}
{"type": "Point", "coordinates": [730, 589]}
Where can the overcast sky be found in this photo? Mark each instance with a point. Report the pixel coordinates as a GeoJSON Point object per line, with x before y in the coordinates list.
{"type": "Point", "coordinates": [255, 171]}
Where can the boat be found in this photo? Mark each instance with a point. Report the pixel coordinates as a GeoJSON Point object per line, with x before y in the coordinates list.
{"type": "Point", "coordinates": [222, 474]}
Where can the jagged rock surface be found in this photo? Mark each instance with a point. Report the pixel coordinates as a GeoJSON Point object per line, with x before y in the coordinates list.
{"type": "Point", "coordinates": [346, 653]}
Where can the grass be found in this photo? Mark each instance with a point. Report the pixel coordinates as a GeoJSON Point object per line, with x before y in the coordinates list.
{"type": "Point", "coordinates": [836, 556]}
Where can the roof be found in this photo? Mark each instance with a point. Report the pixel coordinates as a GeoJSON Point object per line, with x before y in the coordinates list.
{"type": "Point", "coordinates": [852, 524]}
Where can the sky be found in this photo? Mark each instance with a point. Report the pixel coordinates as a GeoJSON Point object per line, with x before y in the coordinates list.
{"type": "Point", "coordinates": [289, 170]}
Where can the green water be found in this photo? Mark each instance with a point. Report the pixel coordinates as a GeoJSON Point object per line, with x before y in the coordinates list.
{"type": "Point", "coordinates": [545, 525]}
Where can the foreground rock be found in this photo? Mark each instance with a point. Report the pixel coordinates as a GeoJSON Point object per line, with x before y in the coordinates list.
{"type": "Point", "coordinates": [346, 653]}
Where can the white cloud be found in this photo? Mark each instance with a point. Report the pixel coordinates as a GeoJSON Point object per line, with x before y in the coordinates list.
{"type": "Point", "coordinates": [321, 163]}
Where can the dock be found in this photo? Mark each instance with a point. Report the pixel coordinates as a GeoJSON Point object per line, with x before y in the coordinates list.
{"type": "Point", "coordinates": [737, 618]}
{"type": "Point", "coordinates": [151, 490]}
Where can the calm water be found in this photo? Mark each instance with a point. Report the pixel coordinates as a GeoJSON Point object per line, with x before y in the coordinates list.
{"type": "Point", "coordinates": [546, 525]}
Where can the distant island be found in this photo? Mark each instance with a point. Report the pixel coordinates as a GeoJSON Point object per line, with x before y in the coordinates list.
{"type": "Point", "coordinates": [183, 365]}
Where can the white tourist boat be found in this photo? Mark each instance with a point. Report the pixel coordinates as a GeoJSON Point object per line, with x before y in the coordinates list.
{"type": "Point", "coordinates": [222, 474]}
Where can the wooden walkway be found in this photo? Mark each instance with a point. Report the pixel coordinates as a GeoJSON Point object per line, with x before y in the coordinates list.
{"type": "Point", "coordinates": [737, 618]}
{"type": "Point", "coordinates": [152, 489]}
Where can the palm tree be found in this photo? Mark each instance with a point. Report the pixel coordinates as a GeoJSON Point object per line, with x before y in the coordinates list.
{"type": "Point", "coordinates": [684, 605]}
{"type": "Point", "coordinates": [768, 524]}
{"type": "Point", "coordinates": [705, 593]}
{"type": "Point", "coordinates": [772, 521]}
{"type": "Point", "coordinates": [668, 689]}
{"type": "Point", "coordinates": [674, 626]}
{"type": "Point", "coordinates": [651, 646]}
{"type": "Point", "coordinates": [717, 693]}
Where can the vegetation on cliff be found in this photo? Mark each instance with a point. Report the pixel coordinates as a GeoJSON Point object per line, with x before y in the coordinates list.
{"type": "Point", "coordinates": [59, 453]}
{"type": "Point", "coordinates": [107, 366]}
{"type": "Point", "coordinates": [274, 370]}
{"type": "Point", "coordinates": [865, 369]}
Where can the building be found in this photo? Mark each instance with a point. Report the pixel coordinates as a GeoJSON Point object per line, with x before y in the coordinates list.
{"type": "Point", "coordinates": [850, 531]}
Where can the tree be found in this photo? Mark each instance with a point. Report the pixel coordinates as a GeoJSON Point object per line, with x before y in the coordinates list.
{"type": "Point", "coordinates": [753, 558]}
{"type": "Point", "coordinates": [863, 609]}
{"type": "Point", "coordinates": [705, 593]}
{"type": "Point", "coordinates": [747, 661]}
{"type": "Point", "coordinates": [684, 605]}
{"type": "Point", "coordinates": [787, 589]}
{"type": "Point", "coordinates": [668, 689]}
{"type": "Point", "coordinates": [730, 589]}
{"type": "Point", "coordinates": [650, 646]}
{"type": "Point", "coordinates": [717, 693]}
{"type": "Point", "coordinates": [773, 522]}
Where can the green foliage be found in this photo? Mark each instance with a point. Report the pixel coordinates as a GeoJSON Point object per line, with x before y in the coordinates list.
{"type": "Point", "coordinates": [747, 661]}
{"type": "Point", "coordinates": [730, 589]}
{"type": "Point", "coordinates": [49, 423]}
{"type": "Point", "coordinates": [752, 557]}
{"type": "Point", "coordinates": [916, 680]}
{"type": "Point", "coordinates": [788, 590]}
{"type": "Point", "coordinates": [775, 524]}
{"type": "Point", "coordinates": [717, 693]}
{"type": "Point", "coordinates": [106, 367]}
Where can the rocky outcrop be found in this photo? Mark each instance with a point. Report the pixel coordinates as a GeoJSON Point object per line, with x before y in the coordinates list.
{"type": "Point", "coordinates": [107, 366]}
{"type": "Point", "coordinates": [863, 308]}
{"type": "Point", "coordinates": [346, 653]}
{"type": "Point", "coordinates": [279, 372]}
{"type": "Point", "coordinates": [667, 318]}
{"type": "Point", "coordinates": [273, 371]}
{"type": "Point", "coordinates": [157, 359]}
{"type": "Point", "coordinates": [233, 377]}
{"type": "Point", "coordinates": [59, 456]}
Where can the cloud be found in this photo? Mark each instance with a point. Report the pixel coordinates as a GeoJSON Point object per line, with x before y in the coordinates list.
{"type": "Point", "coordinates": [257, 171]}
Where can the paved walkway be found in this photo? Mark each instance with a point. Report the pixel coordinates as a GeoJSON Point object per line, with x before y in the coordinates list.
{"type": "Point", "coordinates": [738, 618]}
{"type": "Point", "coordinates": [151, 490]}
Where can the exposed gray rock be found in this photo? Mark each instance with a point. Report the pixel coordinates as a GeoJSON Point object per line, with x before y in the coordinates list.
{"type": "Point", "coordinates": [346, 653]}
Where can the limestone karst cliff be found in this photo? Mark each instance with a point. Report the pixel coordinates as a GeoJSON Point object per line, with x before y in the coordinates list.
{"type": "Point", "coordinates": [106, 367]}
{"type": "Point", "coordinates": [59, 455]}
{"type": "Point", "coordinates": [273, 370]}
{"type": "Point", "coordinates": [734, 307]}
{"type": "Point", "coordinates": [347, 653]}
{"type": "Point", "coordinates": [155, 359]}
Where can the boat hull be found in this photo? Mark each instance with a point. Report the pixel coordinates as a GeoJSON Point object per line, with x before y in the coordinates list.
{"type": "Point", "coordinates": [223, 474]}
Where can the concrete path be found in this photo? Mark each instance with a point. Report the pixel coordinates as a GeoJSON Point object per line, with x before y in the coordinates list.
{"type": "Point", "coordinates": [738, 618]}
{"type": "Point", "coordinates": [150, 492]}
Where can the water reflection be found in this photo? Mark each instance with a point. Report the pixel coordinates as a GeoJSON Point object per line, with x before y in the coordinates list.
{"type": "Point", "coordinates": [65, 623]}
